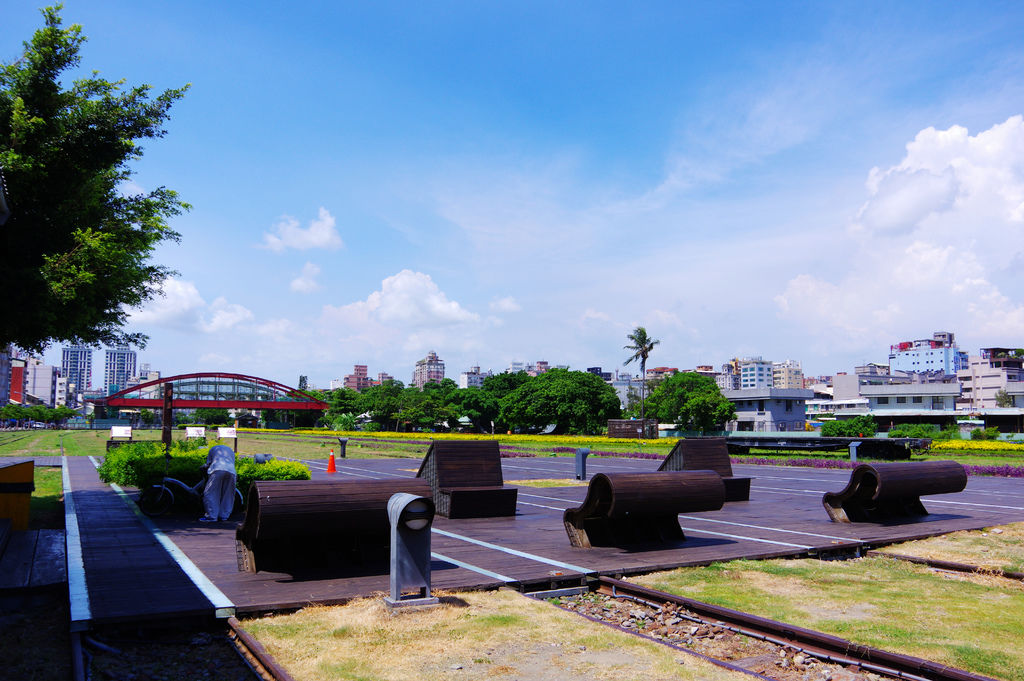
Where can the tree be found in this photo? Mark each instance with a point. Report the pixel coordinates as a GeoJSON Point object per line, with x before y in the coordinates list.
{"type": "Point", "coordinates": [1003, 399]}
{"type": "Point", "coordinates": [692, 401]}
{"type": "Point", "coordinates": [641, 345]}
{"type": "Point", "coordinates": [147, 417]}
{"type": "Point", "coordinates": [574, 402]}
{"type": "Point", "coordinates": [859, 426]}
{"type": "Point", "coordinates": [212, 416]}
{"type": "Point", "coordinates": [75, 252]}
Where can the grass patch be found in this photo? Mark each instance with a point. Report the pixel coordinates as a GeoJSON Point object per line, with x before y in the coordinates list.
{"type": "Point", "coordinates": [46, 505]}
{"type": "Point", "coordinates": [897, 606]}
{"type": "Point", "coordinates": [477, 636]}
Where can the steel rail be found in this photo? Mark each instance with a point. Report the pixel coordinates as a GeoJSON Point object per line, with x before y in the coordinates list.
{"type": "Point", "coordinates": [950, 565]}
{"type": "Point", "coordinates": [824, 646]}
{"type": "Point", "coordinates": [255, 655]}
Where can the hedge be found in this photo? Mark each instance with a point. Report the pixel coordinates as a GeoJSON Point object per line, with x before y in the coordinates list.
{"type": "Point", "coordinates": [142, 464]}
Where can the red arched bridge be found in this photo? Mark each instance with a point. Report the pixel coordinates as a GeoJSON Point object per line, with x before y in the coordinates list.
{"type": "Point", "coordinates": [227, 391]}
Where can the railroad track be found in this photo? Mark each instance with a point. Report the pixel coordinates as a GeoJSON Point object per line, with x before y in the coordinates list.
{"type": "Point", "coordinates": [255, 655]}
{"type": "Point", "coordinates": [794, 648]}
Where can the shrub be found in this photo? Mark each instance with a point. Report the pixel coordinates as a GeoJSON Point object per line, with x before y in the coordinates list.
{"type": "Point", "coordinates": [372, 427]}
{"type": "Point", "coordinates": [991, 433]}
{"type": "Point", "coordinates": [928, 430]}
{"type": "Point", "coordinates": [143, 464]}
{"type": "Point", "coordinates": [344, 422]}
{"type": "Point", "coordinates": [859, 426]}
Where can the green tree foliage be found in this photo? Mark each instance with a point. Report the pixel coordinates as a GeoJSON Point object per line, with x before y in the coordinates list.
{"type": "Point", "coordinates": [147, 417]}
{"type": "Point", "coordinates": [342, 401]}
{"type": "Point", "coordinates": [383, 403]}
{"type": "Point", "coordinates": [1003, 399]}
{"type": "Point", "coordinates": [212, 416]}
{"type": "Point", "coordinates": [859, 426]}
{"type": "Point", "coordinates": [74, 255]}
{"type": "Point", "coordinates": [641, 345]}
{"type": "Point", "coordinates": [691, 401]}
{"type": "Point", "coordinates": [574, 402]}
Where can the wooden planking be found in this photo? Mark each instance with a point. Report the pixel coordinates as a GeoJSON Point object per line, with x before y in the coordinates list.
{"type": "Point", "coordinates": [784, 519]}
{"type": "Point", "coordinates": [35, 559]}
{"type": "Point", "coordinates": [128, 575]}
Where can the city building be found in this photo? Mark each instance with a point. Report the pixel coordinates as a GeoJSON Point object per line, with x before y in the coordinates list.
{"type": "Point", "coordinates": [473, 378]}
{"type": "Point", "coordinates": [17, 393]}
{"type": "Point", "coordinates": [755, 373]}
{"type": "Point", "coordinates": [358, 380]}
{"type": "Point", "coordinates": [5, 374]}
{"type": "Point", "coordinates": [995, 369]}
{"type": "Point", "coordinates": [119, 366]}
{"type": "Point", "coordinates": [660, 373]}
{"type": "Point", "coordinates": [605, 376]}
{"type": "Point", "coordinates": [939, 353]}
{"type": "Point", "coordinates": [729, 377]}
{"type": "Point", "coordinates": [788, 374]}
{"type": "Point", "coordinates": [61, 399]}
{"type": "Point", "coordinates": [430, 369]}
{"type": "Point", "coordinates": [76, 366]}
{"type": "Point", "coordinates": [537, 368]}
{"type": "Point", "coordinates": [769, 409]}
{"type": "Point", "coordinates": [383, 377]}
{"type": "Point", "coordinates": [41, 381]}
{"type": "Point", "coordinates": [624, 384]}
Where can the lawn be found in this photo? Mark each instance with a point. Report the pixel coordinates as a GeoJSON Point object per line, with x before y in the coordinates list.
{"type": "Point", "coordinates": [970, 622]}
{"type": "Point", "coordinates": [1001, 548]}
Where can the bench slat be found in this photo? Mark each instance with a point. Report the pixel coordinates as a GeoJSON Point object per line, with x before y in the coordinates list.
{"type": "Point", "coordinates": [707, 453]}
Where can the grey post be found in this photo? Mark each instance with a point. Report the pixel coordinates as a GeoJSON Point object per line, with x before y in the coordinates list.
{"type": "Point", "coordinates": [410, 516]}
{"type": "Point", "coordinates": [581, 462]}
{"type": "Point", "coordinates": [853, 450]}
{"type": "Point", "coordinates": [342, 441]}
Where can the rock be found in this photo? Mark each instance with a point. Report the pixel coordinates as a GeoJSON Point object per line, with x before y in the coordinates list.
{"type": "Point", "coordinates": [455, 667]}
{"type": "Point", "coordinates": [799, 659]}
{"type": "Point", "coordinates": [997, 530]}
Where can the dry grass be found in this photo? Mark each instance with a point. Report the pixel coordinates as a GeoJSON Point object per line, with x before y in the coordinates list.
{"type": "Point", "coordinates": [471, 637]}
{"type": "Point", "coordinates": [548, 482]}
{"type": "Point", "coordinates": [998, 548]}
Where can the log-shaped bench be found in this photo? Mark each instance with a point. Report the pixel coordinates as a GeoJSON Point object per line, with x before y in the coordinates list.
{"type": "Point", "coordinates": [465, 478]}
{"type": "Point", "coordinates": [639, 508]}
{"type": "Point", "coordinates": [707, 454]}
{"type": "Point", "coordinates": [296, 525]}
{"type": "Point", "coordinates": [879, 492]}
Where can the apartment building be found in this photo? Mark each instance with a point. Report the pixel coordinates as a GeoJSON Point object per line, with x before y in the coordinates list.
{"type": "Point", "coordinates": [938, 353]}
{"type": "Point", "coordinates": [993, 370]}
{"type": "Point", "coordinates": [788, 374]}
{"type": "Point", "coordinates": [430, 369]}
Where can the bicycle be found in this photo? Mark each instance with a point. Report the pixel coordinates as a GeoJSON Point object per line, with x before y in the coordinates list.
{"type": "Point", "coordinates": [157, 499]}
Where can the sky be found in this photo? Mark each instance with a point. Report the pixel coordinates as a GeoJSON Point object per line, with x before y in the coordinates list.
{"type": "Point", "coordinates": [533, 180]}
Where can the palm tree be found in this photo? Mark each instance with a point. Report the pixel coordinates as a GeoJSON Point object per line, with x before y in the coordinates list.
{"type": "Point", "coordinates": [642, 344]}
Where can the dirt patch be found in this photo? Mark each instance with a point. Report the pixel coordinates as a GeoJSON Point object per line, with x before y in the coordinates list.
{"type": "Point", "coordinates": [548, 482]}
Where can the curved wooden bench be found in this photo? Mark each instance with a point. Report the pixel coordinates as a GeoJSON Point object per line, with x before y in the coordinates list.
{"type": "Point", "coordinates": [632, 508]}
{"type": "Point", "coordinates": [309, 524]}
{"type": "Point", "coordinates": [707, 454]}
{"type": "Point", "coordinates": [466, 480]}
{"type": "Point", "coordinates": [884, 491]}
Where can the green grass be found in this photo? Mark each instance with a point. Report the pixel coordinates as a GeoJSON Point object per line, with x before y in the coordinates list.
{"type": "Point", "coordinates": [46, 506]}
{"type": "Point", "coordinates": [873, 601]}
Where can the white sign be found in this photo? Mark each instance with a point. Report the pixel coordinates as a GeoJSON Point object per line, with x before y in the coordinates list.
{"type": "Point", "coordinates": [226, 432]}
{"type": "Point", "coordinates": [121, 431]}
{"type": "Point", "coordinates": [195, 431]}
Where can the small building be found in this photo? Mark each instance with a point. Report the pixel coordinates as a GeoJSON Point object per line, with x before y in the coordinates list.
{"type": "Point", "coordinates": [766, 410]}
{"type": "Point", "coordinates": [474, 378]}
{"type": "Point", "coordinates": [993, 370]}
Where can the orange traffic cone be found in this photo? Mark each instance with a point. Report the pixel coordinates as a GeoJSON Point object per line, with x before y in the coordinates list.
{"type": "Point", "coordinates": [330, 464]}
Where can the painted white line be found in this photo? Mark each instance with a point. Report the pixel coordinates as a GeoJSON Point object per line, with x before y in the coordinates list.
{"type": "Point", "coordinates": [740, 536]}
{"type": "Point", "coordinates": [513, 552]}
{"type": "Point", "coordinates": [771, 529]}
{"type": "Point", "coordinates": [553, 508]}
{"type": "Point", "coordinates": [540, 496]}
{"type": "Point", "coordinates": [474, 568]}
{"type": "Point", "coordinates": [968, 503]}
{"type": "Point", "coordinates": [221, 603]}
{"type": "Point", "coordinates": [78, 592]}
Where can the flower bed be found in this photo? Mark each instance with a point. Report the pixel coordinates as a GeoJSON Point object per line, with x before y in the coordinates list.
{"type": "Point", "coordinates": [977, 445]}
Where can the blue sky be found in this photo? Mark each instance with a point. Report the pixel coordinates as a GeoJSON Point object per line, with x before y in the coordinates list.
{"type": "Point", "coordinates": [500, 181]}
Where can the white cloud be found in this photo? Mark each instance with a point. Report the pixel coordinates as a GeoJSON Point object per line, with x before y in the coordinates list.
{"type": "Point", "coordinates": [931, 248]}
{"type": "Point", "coordinates": [222, 315]}
{"type": "Point", "coordinates": [320, 234]}
{"type": "Point", "coordinates": [177, 304]}
{"type": "Point", "coordinates": [409, 311]}
{"type": "Point", "coordinates": [306, 281]}
{"type": "Point", "coordinates": [506, 304]}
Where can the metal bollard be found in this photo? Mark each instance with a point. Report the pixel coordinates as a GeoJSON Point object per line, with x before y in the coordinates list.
{"type": "Point", "coordinates": [581, 462]}
{"type": "Point", "coordinates": [410, 516]}
{"type": "Point", "coordinates": [342, 441]}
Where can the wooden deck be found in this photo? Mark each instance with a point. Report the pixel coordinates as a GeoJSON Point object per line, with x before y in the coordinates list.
{"type": "Point", "coordinates": [530, 550]}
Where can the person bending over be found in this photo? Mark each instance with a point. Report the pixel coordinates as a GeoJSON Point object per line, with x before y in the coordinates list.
{"type": "Point", "coordinates": [219, 493]}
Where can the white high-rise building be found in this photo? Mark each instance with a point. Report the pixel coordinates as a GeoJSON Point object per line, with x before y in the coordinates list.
{"type": "Point", "coordinates": [939, 353]}
{"type": "Point", "coordinates": [118, 368]}
{"type": "Point", "coordinates": [76, 366]}
{"type": "Point", "coordinates": [788, 375]}
{"type": "Point", "coordinates": [755, 373]}
{"type": "Point", "coordinates": [473, 378]}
